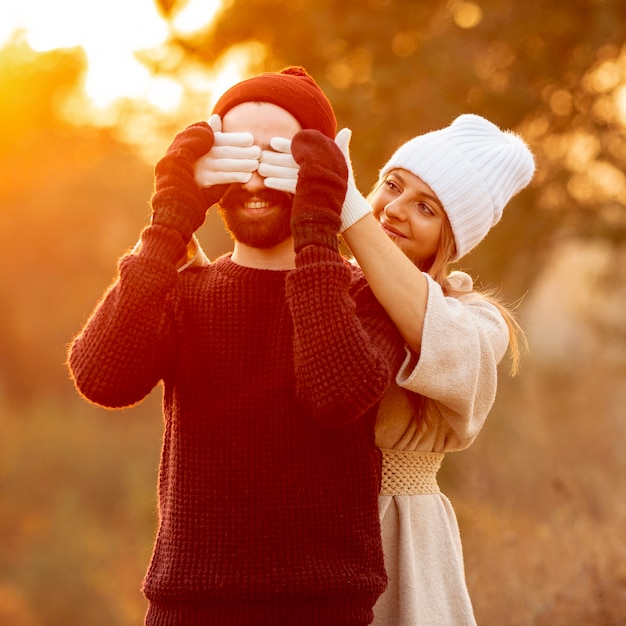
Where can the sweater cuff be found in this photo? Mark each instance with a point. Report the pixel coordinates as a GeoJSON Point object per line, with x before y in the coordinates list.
{"type": "Point", "coordinates": [315, 227]}
{"type": "Point", "coordinates": [315, 254]}
{"type": "Point", "coordinates": [163, 244]}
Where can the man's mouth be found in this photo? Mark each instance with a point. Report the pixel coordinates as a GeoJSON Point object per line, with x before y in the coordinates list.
{"type": "Point", "coordinates": [256, 207]}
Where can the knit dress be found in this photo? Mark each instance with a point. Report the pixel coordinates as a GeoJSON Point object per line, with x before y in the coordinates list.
{"type": "Point", "coordinates": [463, 340]}
{"type": "Point", "coordinates": [269, 475]}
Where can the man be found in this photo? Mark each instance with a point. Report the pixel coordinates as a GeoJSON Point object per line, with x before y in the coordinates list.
{"type": "Point", "coordinates": [272, 359]}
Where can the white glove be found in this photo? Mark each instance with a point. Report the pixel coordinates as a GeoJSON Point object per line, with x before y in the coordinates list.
{"type": "Point", "coordinates": [232, 159]}
{"type": "Point", "coordinates": [278, 167]}
{"type": "Point", "coordinates": [355, 206]}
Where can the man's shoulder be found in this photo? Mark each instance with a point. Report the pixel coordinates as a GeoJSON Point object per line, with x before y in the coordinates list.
{"type": "Point", "coordinates": [359, 286]}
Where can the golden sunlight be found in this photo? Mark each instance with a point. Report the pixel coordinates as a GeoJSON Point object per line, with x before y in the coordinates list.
{"type": "Point", "coordinates": [196, 14]}
{"type": "Point", "coordinates": [466, 14]}
{"type": "Point", "coordinates": [111, 35]}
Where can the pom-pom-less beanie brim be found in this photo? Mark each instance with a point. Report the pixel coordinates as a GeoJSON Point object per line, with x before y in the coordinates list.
{"type": "Point", "coordinates": [474, 168]}
{"type": "Point", "coordinates": [292, 89]}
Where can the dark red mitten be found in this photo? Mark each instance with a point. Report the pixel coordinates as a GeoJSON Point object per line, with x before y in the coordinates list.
{"type": "Point", "coordinates": [320, 191]}
{"type": "Point", "coordinates": [178, 201]}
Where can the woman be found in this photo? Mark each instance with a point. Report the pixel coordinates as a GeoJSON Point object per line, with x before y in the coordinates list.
{"type": "Point", "coordinates": [436, 199]}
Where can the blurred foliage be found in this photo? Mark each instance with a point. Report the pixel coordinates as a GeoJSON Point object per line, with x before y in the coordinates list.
{"type": "Point", "coordinates": [77, 513]}
{"type": "Point", "coordinates": [73, 198]}
{"type": "Point", "coordinates": [553, 71]}
{"type": "Point", "coordinates": [536, 494]}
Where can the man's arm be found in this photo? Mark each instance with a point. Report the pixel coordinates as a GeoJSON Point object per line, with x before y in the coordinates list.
{"type": "Point", "coordinates": [120, 354]}
{"type": "Point", "coordinates": [125, 346]}
{"type": "Point", "coordinates": [346, 349]}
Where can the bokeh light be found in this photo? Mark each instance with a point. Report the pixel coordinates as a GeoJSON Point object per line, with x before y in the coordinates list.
{"type": "Point", "coordinates": [114, 35]}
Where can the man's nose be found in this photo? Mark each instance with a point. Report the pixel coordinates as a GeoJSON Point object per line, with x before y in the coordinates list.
{"type": "Point", "coordinates": [255, 184]}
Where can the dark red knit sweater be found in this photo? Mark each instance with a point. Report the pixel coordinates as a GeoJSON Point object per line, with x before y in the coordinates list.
{"type": "Point", "coordinates": [269, 475]}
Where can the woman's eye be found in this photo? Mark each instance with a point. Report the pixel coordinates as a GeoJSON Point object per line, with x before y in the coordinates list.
{"type": "Point", "coordinates": [424, 208]}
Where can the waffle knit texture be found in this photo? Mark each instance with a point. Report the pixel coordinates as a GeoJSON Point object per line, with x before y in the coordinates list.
{"type": "Point", "coordinates": [269, 473]}
{"type": "Point", "coordinates": [474, 168]}
{"type": "Point", "coordinates": [292, 89]}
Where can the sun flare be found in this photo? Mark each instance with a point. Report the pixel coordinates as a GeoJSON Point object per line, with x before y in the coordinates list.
{"type": "Point", "coordinates": [111, 34]}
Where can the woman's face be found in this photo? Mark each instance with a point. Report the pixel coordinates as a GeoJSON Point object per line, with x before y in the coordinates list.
{"type": "Point", "coordinates": [410, 213]}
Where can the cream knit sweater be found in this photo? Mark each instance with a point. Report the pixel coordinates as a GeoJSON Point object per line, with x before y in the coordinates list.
{"type": "Point", "coordinates": [463, 341]}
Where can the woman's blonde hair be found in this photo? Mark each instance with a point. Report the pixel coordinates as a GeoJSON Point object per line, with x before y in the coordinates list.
{"type": "Point", "coordinates": [439, 270]}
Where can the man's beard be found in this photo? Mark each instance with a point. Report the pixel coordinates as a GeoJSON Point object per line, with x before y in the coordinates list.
{"type": "Point", "coordinates": [257, 232]}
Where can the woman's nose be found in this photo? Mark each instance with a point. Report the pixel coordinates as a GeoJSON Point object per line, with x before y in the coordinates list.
{"type": "Point", "coordinates": [395, 209]}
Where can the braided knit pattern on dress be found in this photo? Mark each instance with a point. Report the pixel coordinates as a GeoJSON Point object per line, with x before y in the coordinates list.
{"type": "Point", "coordinates": [409, 472]}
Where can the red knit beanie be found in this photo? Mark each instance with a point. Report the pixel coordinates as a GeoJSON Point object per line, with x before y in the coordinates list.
{"type": "Point", "coordinates": [291, 89]}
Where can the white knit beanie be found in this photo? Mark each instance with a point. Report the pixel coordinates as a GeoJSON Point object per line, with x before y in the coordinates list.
{"type": "Point", "coordinates": [474, 168]}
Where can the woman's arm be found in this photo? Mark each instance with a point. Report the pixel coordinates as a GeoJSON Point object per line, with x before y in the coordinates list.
{"type": "Point", "coordinates": [463, 341]}
{"type": "Point", "coordinates": [397, 283]}
{"type": "Point", "coordinates": [399, 286]}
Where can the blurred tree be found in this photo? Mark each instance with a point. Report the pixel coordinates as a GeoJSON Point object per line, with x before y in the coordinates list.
{"type": "Point", "coordinates": [73, 198]}
{"type": "Point", "coordinates": [53, 201]}
{"type": "Point", "coordinates": [553, 71]}
{"type": "Point", "coordinates": [77, 504]}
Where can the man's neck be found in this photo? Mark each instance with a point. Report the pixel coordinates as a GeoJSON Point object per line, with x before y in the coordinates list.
{"type": "Point", "coordinates": [280, 257]}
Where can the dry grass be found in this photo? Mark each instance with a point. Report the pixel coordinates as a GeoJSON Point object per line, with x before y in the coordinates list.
{"type": "Point", "coordinates": [540, 501]}
{"type": "Point", "coordinates": [539, 497]}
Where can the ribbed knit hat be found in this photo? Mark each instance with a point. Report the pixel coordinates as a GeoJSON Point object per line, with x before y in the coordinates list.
{"type": "Point", "coordinates": [291, 89]}
{"type": "Point", "coordinates": [474, 168]}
